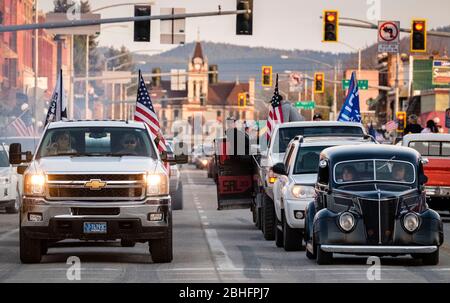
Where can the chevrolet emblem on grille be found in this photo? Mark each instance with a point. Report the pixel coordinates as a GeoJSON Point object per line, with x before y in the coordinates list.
{"type": "Point", "coordinates": [95, 184]}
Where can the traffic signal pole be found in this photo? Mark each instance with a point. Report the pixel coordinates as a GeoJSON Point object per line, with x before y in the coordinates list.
{"type": "Point", "coordinates": [77, 23]}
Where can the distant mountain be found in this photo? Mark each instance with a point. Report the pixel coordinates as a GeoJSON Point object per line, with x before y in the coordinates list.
{"type": "Point", "coordinates": [240, 61]}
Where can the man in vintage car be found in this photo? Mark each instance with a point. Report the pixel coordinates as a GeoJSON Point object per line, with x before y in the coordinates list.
{"type": "Point", "coordinates": [379, 210]}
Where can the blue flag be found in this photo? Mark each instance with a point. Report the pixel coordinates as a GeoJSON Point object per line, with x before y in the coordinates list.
{"type": "Point", "coordinates": [350, 110]}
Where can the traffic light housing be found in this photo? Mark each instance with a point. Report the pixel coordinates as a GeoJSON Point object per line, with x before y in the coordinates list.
{"type": "Point", "coordinates": [401, 121]}
{"type": "Point", "coordinates": [319, 83]}
{"type": "Point", "coordinates": [330, 26]}
{"type": "Point", "coordinates": [267, 76]}
{"type": "Point", "coordinates": [242, 99]}
{"type": "Point", "coordinates": [419, 36]}
{"type": "Point", "coordinates": [244, 22]}
{"type": "Point", "coordinates": [142, 28]}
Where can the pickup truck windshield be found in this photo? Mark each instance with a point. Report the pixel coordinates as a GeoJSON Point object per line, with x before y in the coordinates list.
{"type": "Point", "coordinates": [285, 135]}
{"type": "Point", "coordinates": [96, 141]}
{"type": "Point", "coordinates": [4, 162]}
{"type": "Point", "coordinates": [431, 148]}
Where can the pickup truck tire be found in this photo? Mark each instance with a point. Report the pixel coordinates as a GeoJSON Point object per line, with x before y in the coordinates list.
{"type": "Point", "coordinates": [30, 249]}
{"type": "Point", "coordinates": [278, 233]}
{"type": "Point", "coordinates": [177, 199]}
{"type": "Point", "coordinates": [161, 249]}
{"type": "Point", "coordinates": [268, 218]}
{"type": "Point", "coordinates": [292, 237]}
{"type": "Point", "coordinates": [127, 243]}
{"type": "Point", "coordinates": [14, 207]}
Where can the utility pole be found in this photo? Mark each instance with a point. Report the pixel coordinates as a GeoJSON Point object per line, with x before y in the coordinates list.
{"type": "Point", "coordinates": [334, 107]}
{"type": "Point", "coordinates": [397, 88]}
{"type": "Point", "coordinates": [86, 82]}
{"type": "Point", "coordinates": [36, 64]}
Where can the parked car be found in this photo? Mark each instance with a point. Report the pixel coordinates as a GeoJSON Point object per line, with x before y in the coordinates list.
{"type": "Point", "coordinates": [294, 188]}
{"type": "Point", "coordinates": [370, 200]}
{"type": "Point", "coordinates": [436, 148]}
{"type": "Point", "coordinates": [263, 207]}
{"type": "Point", "coordinates": [10, 183]}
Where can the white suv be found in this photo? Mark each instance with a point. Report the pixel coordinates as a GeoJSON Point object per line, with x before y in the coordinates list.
{"type": "Point", "coordinates": [294, 188]}
{"type": "Point", "coordinates": [10, 183]}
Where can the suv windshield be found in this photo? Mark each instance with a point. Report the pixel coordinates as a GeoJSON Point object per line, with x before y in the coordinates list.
{"type": "Point", "coordinates": [4, 162]}
{"type": "Point", "coordinates": [96, 141]}
{"type": "Point", "coordinates": [307, 161]}
{"type": "Point", "coordinates": [285, 135]}
{"type": "Point", "coordinates": [374, 170]}
{"type": "Point", "coordinates": [431, 148]}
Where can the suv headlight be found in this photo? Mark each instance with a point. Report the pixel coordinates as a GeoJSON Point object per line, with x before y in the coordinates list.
{"type": "Point", "coordinates": [5, 180]}
{"type": "Point", "coordinates": [302, 192]}
{"type": "Point", "coordinates": [411, 222]}
{"type": "Point", "coordinates": [34, 184]}
{"type": "Point", "coordinates": [157, 185]}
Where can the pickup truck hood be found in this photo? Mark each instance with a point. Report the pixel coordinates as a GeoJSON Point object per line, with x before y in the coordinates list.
{"type": "Point", "coordinates": [305, 179]}
{"type": "Point", "coordinates": [438, 171]}
{"type": "Point", "coordinates": [95, 164]}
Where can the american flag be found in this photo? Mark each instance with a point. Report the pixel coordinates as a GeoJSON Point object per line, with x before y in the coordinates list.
{"type": "Point", "coordinates": [275, 112]}
{"type": "Point", "coordinates": [23, 125]}
{"type": "Point", "coordinates": [146, 113]}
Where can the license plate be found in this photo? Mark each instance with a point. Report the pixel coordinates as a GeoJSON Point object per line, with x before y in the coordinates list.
{"type": "Point", "coordinates": [94, 227]}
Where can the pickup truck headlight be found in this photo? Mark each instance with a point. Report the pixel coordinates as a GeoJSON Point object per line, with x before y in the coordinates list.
{"type": "Point", "coordinates": [5, 180]}
{"type": "Point", "coordinates": [157, 185]}
{"type": "Point", "coordinates": [302, 192]}
{"type": "Point", "coordinates": [34, 184]}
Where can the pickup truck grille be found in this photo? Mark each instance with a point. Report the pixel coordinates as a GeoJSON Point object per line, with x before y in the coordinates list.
{"type": "Point", "coordinates": [114, 187]}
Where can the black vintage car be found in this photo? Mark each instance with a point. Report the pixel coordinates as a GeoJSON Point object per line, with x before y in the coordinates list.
{"type": "Point", "coordinates": [370, 200]}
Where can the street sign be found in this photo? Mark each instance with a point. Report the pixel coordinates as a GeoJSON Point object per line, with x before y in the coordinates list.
{"type": "Point", "coordinates": [447, 118]}
{"type": "Point", "coordinates": [441, 72]}
{"type": "Point", "coordinates": [362, 84]}
{"type": "Point", "coordinates": [388, 36]}
{"type": "Point", "coordinates": [305, 104]}
{"type": "Point", "coordinates": [296, 82]}
{"type": "Point", "coordinates": [116, 77]}
{"type": "Point", "coordinates": [79, 30]}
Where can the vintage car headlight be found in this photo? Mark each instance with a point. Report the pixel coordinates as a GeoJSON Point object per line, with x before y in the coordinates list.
{"type": "Point", "coordinates": [347, 221]}
{"type": "Point", "coordinates": [5, 180]}
{"type": "Point", "coordinates": [302, 192]}
{"type": "Point", "coordinates": [157, 185]}
{"type": "Point", "coordinates": [411, 222]}
{"type": "Point", "coordinates": [34, 184]}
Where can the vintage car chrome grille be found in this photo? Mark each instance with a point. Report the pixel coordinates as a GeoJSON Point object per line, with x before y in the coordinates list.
{"type": "Point", "coordinates": [379, 220]}
{"type": "Point", "coordinates": [108, 187]}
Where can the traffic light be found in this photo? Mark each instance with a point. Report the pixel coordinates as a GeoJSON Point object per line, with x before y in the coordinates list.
{"type": "Point", "coordinates": [267, 76]}
{"type": "Point", "coordinates": [142, 28]}
{"type": "Point", "coordinates": [319, 80]}
{"type": "Point", "coordinates": [330, 26]}
{"type": "Point", "coordinates": [419, 36]}
{"type": "Point", "coordinates": [242, 99]}
{"type": "Point", "coordinates": [244, 22]}
{"type": "Point", "coordinates": [401, 121]}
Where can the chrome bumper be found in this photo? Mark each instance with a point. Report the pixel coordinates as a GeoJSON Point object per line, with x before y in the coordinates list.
{"type": "Point", "coordinates": [363, 249]}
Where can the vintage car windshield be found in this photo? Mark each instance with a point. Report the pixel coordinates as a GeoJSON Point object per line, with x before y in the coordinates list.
{"type": "Point", "coordinates": [285, 135]}
{"type": "Point", "coordinates": [374, 170]}
{"type": "Point", "coordinates": [4, 162]}
{"type": "Point", "coordinates": [307, 161]}
{"type": "Point", "coordinates": [431, 148]}
{"type": "Point", "coordinates": [96, 141]}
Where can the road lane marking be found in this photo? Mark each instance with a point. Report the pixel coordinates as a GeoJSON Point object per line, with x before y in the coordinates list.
{"type": "Point", "coordinates": [219, 252]}
{"type": "Point", "coordinates": [8, 234]}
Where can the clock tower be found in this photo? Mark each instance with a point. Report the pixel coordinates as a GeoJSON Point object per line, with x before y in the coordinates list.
{"type": "Point", "coordinates": [198, 76]}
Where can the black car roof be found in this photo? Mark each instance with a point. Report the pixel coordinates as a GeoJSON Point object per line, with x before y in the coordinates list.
{"type": "Point", "coordinates": [373, 151]}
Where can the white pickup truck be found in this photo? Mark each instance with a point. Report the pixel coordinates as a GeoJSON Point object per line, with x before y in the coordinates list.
{"type": "Point", "coordinates": [263, 207]}
{"type": "Point", "coordinates": [95, 180]}
{"type": "Point", "coordinates": [10, 183]}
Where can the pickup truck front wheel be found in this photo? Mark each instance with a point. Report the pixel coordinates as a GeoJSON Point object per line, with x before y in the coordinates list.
{"type": "Point", "coordinates": [268, 218]}
{"type": "Point", "coordinates": [30, 249]}
{"type": "Point", "coordinates": [161, 249]}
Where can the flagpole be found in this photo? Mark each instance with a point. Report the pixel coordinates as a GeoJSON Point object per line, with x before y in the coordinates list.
{"type": "Point", "coordinates": [61, 92]}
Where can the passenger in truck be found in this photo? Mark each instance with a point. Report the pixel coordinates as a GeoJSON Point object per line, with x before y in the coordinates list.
{"type": "Point", "coordinates": [129, 144]}
{"type": "Point", "coordinates": [62, 144]}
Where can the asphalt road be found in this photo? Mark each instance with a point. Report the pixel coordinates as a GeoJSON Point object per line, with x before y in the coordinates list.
{"type": "Point", "coordinates": [209, 246]}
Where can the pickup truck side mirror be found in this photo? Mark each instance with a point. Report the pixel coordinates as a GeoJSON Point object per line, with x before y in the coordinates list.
{"type": "Point", "coordinates": [279, 169]}
{"type": "Point", "coordinates": [15, 153]}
